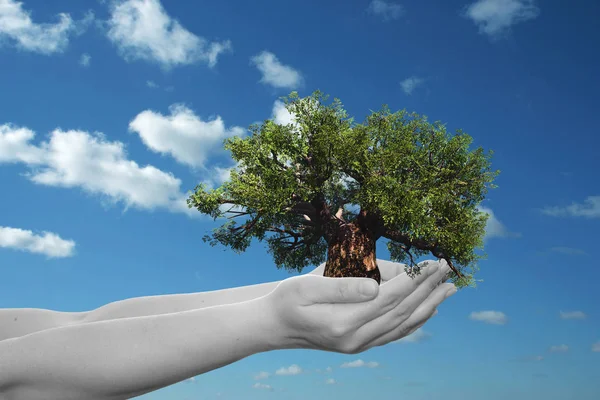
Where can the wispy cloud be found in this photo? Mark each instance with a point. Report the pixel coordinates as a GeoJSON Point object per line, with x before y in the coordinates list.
{"type": "Point", "coordinates": [152, 84]}
{"type": "Point", "coordinates": [262, 375]}
{"type": "Point", "coordinates": [143, 30]}
{"type": "Point", "coordinates": [495, 228]}
{"type": "Point", "coordinates": [262, 386]}
{"type": "Point", "coordinates": [570, 251]}
{"type": "Point", "coordinates": [46, 243]}
{"type": "Point", "coordinates": [330, 381]}
{"type": "Point", "coordinates": [291, 370]}
{"type": "Point", "coordinates": [359, 363]}
{"type": "Point", "coordinates": [182, 134]}
{"type": "Point", "coordinates": [274, 73]}
{"type": "Point", "coordinates": [388, 11]}
{"type": "Point", "coordinates": [410, 84]}
{"type": "Point", "coordinates": [489, 317]}
{"type": "Point", "coordinates": [526, 359]}
{"type": "Point", "coordinates": [79, 159]}
{"type": "Point", "coordinates": [561, 348]}
{"type": "Point", "coordinates": [17, 28]}
{"type": "Point", "coordinates": [596, 347]}
{"type": "Point", "coordinates": [85, 59]}
{"type": "Point", "coordinates": [496, 17]}
{"type": "Point", "coordinates": [572, 315]}
{"type": "Point", "coordinates": [590, 208]}
{"type": "Point", "coordinates": [417, 336]}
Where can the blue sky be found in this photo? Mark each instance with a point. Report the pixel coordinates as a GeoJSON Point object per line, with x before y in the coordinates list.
{"type": "Point", "coordinates": [112, 111]}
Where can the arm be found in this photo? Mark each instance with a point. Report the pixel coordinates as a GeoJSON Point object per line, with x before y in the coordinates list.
{"type": "Point", "coordinates": [165, 304]}
{"type": "Point", "coordinates": [128, 357]}
{"type": "Point", "coordinates": [16, 322]}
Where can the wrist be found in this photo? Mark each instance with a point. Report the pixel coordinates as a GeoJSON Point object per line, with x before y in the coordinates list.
{"type": "Point", "coordinates": [276, 333]}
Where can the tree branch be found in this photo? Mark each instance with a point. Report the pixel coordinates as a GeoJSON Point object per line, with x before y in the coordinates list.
{"type": "Point", "coordinates": [420, 244]}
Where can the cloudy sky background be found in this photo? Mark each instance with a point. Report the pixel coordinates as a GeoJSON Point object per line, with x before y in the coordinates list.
{"type": "Point", "coordinates": [111, 111]}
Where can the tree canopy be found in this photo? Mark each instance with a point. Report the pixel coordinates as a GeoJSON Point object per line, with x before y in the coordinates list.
{"type": "Point", "coordinates": [294, 183]}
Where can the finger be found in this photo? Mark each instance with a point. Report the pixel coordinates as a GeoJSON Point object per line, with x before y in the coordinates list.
{"type": "Point", "coordinates": [389, 269]}
{"type": "Point", "coordinates": [399, 288]}
{"type": "Point", "coordinates": [424, 291]}
{"type": "Point", "coordinates": [319, 289]}
{"type": "Point", "coordinates": [428, 307]}
{"type": "Point", "coordinates": [423, 313]}
{"type": "Point", "coordinates": [403, 307]}
{"type": "Point", "coordinates": [319, 270]}
{"type": "Point", "coordinates": [446, 267]}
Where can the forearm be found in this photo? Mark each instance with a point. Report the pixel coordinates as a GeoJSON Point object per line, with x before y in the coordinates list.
{"type": "Point", "coordinates": [172, 303]}
{"type": "Point", "coordinates": [128, 357]}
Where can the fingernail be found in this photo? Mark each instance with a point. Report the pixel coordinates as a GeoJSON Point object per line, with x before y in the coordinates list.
{"type": "Point", "coordinates": [445, 266]}
{"type": "Point", "coordinates": [369, 288]}
{"type": "Point", "coordinates": [451, 291]}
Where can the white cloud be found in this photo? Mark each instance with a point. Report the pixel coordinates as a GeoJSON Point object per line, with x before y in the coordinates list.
{"type": "Point", "coordinates": [15, 146]}
{"type": "Point", "coordinates": [559, 349]}
{"type": "Point", "coordinates": [151, 84]}
{"type": "Point", "coordinates": [291, 370]}
{"type": "Point", "coordinates": [17, 26]}
{"type": "Point", "coordinates": [77, 159]}
{"type": "Point", "coordinates": [410, 84]}
{"type": "Point", "coordinates": [262, 386]}
{"type": "Point", "coordinates": [531, 358]}
{"type": "Point", "coordinates": [274, 73]}
{"type": "Point", "coordinates": [330, 381]}
{"type": "Point", "coordinates": [489, 317]}
{"type": "Point", "coordinates": [326, 370]}
{"type": "Point", "coordinates": [596, 347]}
{"type": "Point", "coordinates": [568, 251]}
{"type": "Point", "coordinates": [495, 228]}
{"type": "Point", "coordinates": [262, 375]}
{"type": "Point", "coordinates": [85, 60]}
{"type": "Point", "coordinates": [495, 17]}
{"type": "Point", "coordinates": [280, 115]}
{"type": "Point", "coordinates": [142, 29]}
{"type": "Point", "coordinates": [417, 336]}
{"type": "Point", "coordinates": [572, 315]}
{"type": "Point", "coordinates": [47, 243]}
{"type": "Point", "coordinates": [182, 134]}
{"type": "Point", "coordinates": [386, 10]}
{"type": "Point", "coordinates": [589, 209]}
{"type": "Point", "coordinates": [221, 174]}
{"type": "Point", "coordinates": [359, 363]}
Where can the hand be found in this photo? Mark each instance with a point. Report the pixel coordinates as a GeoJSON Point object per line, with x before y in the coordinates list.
{"type": "Point", "coordinates": [388, 269]}
{"type": "Point", "coordinates": [335, 314]}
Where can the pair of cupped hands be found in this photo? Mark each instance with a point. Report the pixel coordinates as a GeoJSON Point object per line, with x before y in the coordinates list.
{"type": "Point", "coordinates": [351, 315]}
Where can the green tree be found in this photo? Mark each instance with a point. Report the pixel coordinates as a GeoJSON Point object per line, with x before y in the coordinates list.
{"type": "Point", "coordinates": [408, 180]}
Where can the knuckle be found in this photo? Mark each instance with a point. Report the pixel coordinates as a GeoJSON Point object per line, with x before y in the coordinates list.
{"type": "Point", "coordinates": [350, 347]}
{"type": "Point", "coordinates": [338, 331]}
{"type": "Point", "coordinates": [343, 290]}
{"type": "Point", "coordinates": [433, 284]}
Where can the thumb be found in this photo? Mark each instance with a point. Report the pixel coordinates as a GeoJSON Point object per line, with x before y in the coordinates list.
{"type": "Point", "coordinates": [320, 289]}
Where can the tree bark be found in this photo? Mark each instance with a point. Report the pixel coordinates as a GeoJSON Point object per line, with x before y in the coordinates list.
{"type": "Point", "coordinates": [351, 253]}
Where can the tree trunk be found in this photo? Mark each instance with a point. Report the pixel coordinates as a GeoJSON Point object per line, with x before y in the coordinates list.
{"type": "Point", "coordinates": [351, 253]}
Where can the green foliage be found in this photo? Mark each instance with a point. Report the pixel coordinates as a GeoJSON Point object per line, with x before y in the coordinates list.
{"type": "Point", "coordinates": [423, 184]}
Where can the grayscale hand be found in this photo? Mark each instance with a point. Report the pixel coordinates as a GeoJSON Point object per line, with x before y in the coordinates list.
{"type": "Point", "coordinates": [170, 338]}
{"type": "Point", "coordinates": [335, 314]}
